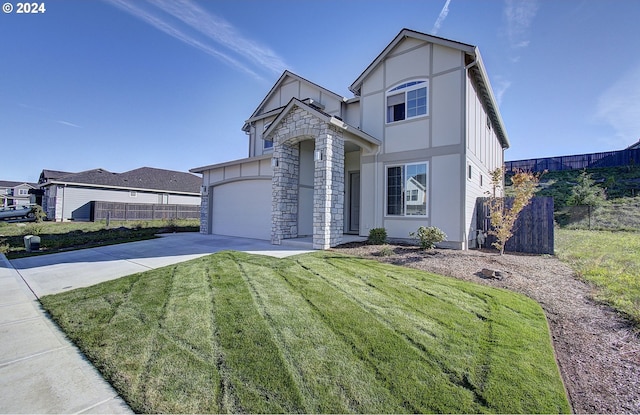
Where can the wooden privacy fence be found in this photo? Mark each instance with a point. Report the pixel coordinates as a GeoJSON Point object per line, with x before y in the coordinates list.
{"type": "Point", "coordinates": [628, 157]}
{"type": "Point", "coordinates": [142, 211]}
{"type": "Point", "coordinates": [533, 231]}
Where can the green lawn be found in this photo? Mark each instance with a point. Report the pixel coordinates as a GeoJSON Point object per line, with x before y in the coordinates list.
{"type": "Point", "coordinates": [315, 333]}
{"type": "Point", "coordinates": [610, 260]}
{"type": "Point", "coordinates": [63, 236]}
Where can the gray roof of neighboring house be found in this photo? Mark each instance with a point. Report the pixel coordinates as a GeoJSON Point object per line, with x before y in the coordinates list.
{"type": "Point", "coordinates": [47, 175]}
{"type": "Point", "coordinates": [8, 183]}
{"type": "Point", "coordinates": [634, 146]}
{"type": "Point", "coordinates": [144, 178]}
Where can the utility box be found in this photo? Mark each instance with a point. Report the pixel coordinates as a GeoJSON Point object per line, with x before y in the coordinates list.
{"type": "Point", "coordinates": [32, 243]}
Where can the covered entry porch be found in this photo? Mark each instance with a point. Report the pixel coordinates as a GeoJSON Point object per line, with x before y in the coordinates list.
{"type": "Point", "coordinates": [316, 175]}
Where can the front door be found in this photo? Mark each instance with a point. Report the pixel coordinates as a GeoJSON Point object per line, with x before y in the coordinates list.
{"type": "Point", "coordinates": [354, 201]}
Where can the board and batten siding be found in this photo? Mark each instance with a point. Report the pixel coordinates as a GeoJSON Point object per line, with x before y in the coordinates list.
{"type": "Point", "coordinates": [291, 87]}
{"type": "Point", "coordinates": [484, 154]}
{"type": "Point", "coordinates": [436, 138]}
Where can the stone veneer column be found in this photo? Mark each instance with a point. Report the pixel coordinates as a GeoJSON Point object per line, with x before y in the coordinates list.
{"type": "Point", "coordinates": [284, 199]}
{"type": "Point", "coordinates": [328, 195]}
{"type": "Point", "coordinates": [204, 213]}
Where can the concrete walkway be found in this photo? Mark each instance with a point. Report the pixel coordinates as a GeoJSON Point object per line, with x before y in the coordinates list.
{"type": "Point", "coordinates": [41, 371]}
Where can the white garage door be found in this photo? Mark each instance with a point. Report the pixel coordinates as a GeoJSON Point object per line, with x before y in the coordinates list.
{"type": "Point", "coordinates": [242, 208]}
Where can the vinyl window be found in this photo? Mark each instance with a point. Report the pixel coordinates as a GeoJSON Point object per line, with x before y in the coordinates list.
{"type": "Point", "coordinates": [406, 191]}
{"type": "Point", "coordinates": [408, 100]}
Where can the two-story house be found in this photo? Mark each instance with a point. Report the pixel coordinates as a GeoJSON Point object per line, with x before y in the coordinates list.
{"type": "Point", "coordinates": [413, 147]}
{"type": "Point", "coordinates": [16, 193]}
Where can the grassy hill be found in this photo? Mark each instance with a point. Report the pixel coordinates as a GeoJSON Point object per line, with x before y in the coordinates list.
{"type": "Point", "coordinates": [314, 333]}
{"type": "Point", "coordinates": [620, 211]}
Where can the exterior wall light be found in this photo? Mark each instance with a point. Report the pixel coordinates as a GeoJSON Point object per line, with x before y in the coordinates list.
{"type": "Point", "coordinates": [317, 155]}
{"type": "Point", "coordinates": [274, 162]}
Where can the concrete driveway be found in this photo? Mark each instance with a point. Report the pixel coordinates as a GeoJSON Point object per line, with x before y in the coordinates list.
{"type": "Point", "coordinates": [40, 370]}
{"type": "Point", "coordinates": [51, 274]}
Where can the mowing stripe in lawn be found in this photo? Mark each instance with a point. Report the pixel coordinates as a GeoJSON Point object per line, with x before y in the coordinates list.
{"type": "Point", "coordinates": [315, 333]}
{"type": "Point", "coordinates": [399, 306]}
{"type": "Point", "coordinates": [485, 338]}
{"type": "Point", "coordinates": [417, 382]}
{"type": "Point", "coordinates": [257, 371]}
{"type": "Point", "coordinates": [332, 379]}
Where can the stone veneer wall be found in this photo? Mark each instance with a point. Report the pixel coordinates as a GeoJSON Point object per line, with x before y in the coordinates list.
{"type": "Point", "coordinates": [204, 213]}
{"type": "Point", "coordinates": [284, 199]}
{"type": "Point", "coordinates": [328, 195]}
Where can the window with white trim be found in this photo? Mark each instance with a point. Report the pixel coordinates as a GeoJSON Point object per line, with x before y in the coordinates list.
{"type": "Point", "coordinates": [23, 192]}
{"type": "Point", "coordinates": [407, 190]}
{"type": "Point", "coordinates": [408, 100]}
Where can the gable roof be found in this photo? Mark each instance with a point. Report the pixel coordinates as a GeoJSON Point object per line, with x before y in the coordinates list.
{"type": "Point", "coordinates": [476, 67]}
{"type": "Point", "coordinates": [405, 33]}
{"type": "Point", "coordinates": [8, 183]}
{"type": "Point", "coordinates": [52, 174]}
{"type": "Point", "coordinates": [144, 178]}
{"type": "Point", "coordinates": [634, 146]}
{"type": "Point", "coordinates": [286, 74]}
{"type": "Point", "coordinates": [363, 139]}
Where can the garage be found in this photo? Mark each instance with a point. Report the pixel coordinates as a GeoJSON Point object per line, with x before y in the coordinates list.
{"type": "Point", "coordinates": [242, 208]}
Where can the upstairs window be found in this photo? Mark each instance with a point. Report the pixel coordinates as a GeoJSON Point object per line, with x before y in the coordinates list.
{"type": "Point", "coordinates": [406, 101]}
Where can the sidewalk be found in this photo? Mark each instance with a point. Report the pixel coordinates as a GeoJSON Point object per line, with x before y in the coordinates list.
{"type": "Point", "coordinates": [40, 370]}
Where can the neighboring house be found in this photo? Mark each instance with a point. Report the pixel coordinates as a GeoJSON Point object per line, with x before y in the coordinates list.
{"type": "Point", "coordinates": [69, 195]}
{"type": "Point", "coordinates": [16, 193]}
{"type": "Point", "coordinates": [413, 147]}
{"type": "Point", "coordinates": [635, 146]}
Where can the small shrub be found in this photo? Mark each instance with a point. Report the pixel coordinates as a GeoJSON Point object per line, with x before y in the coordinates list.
{"type": "Point", "coordinates": [40, 215]}
{"type": "Point", "coordinates": [4, 246]}
{"type": "Point", "coordinates": [428, 236]}
{"type": "Point", "coordinates": [34, 228]}
{"type": "Point", "coordinates": [377, 236]}
{"type": "Point", "coordinates": [172, 225]}
{"type": "Point", "coordinates": [386, 251]}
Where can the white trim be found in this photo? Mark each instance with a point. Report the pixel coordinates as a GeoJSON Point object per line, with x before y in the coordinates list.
{"type": "Point", "coordinates": [404, 166]}
{"type": "Point", "coordinates": [403, 88]}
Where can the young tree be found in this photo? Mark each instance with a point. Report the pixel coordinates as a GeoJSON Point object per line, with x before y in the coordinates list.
{"type": "Point", "coordinates": [586, 192]}
{"type": "Point", "coordinates": [502, 218]}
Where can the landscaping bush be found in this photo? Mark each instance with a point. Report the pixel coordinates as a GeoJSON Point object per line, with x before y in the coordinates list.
{"type": "Point", "coordinates": [377, 236]}
{"type": "Point", "coordinates": [386, 251]}
{"type": "Point", "coordinates": [428, 236]}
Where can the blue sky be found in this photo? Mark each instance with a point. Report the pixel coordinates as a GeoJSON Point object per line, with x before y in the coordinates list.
{"type": "Point", "coordinates": [121, 84]}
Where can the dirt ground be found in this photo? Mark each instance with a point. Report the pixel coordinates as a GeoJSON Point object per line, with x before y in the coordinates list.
{"type": "Point", "coordinates": [597, 350]}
